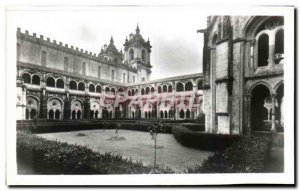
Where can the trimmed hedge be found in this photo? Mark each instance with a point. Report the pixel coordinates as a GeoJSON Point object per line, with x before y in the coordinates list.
{"type": "Point", "coordinates": [53, 157]}
{"type": "Point", "coordinates": [203, 141]}
{"type": "Point", "coordinates": [247, 155]}
{"type": "Point", "coordinates": [62, 126]}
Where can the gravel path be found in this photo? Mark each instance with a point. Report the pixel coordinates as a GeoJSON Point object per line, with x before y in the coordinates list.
{"type": "Point", "coordinates": [137, 145]}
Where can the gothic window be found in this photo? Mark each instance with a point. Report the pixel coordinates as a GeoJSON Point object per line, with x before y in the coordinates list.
{"type": "Point", "coordinates": [179, 87]}
{"type": "Point", "coordinates": [152, 89]}
{"type": "Point", "coordinates": [44, 58]}
{"type": "Point", "coordinates": [99, 72]}
{"type": "Point", "coordinates": [263, 50]}
{"type": "Point", "coordinates": [279, 46]}
{"type": "Point", "coordinates": [120, 90]}
{"type": "Point", "coordinates": [107, 89]}
{"type": "Point", "coordinates": [60, 83]}
{"type": "Point", "coordinates": [36, 80]}
{"type": "Point", "coordinates": [159, 89]}
{"type": "Point", "coordinates": [170, 88]}
{"type": "Point", "coordinates": [188, 114]}
{"type": "Point", "coordinates": [142, 91]}
{"type": "Point", "coordinates": [91, 88]}
{"type": "Point", "coordinates": [129, 93]}
{"type": "Point", "coordinates": [98, 89]}
{"type": "Point", "coordinates": [27, 78]}
{"type": "Point", "coordinates": [73, 85]}
{"type": "Point", "coordinates": [147, 90]}
{"type": "Point", "coordinates": [112, 90]}
{"type": "Point", "coordinates": [81, 86]}
{"type": "Point", "coordinates": [188, 86]}
{"type": "Point", "coordinates": [131, 54]}
{"type": "Point", "coordinates": [143, 55]}
{"type": "Point", "coordinates": [112, 75]}
{"type": "Point", "coordinates": [50, 82]}
{"type": "Point", "coordinates": [83, 68]}
{"type": "Point", "coordinates": [66, 63]}
{"type": "Point", "coordinates": [200, 85]}
{"type": "Point", "coordinates": [165, 88]}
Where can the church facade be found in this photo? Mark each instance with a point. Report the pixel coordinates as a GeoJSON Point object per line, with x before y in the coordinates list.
{"type": "Point", "coordinates": [243, 59]}
{"type": "Point", "coordinates": [61, 82]}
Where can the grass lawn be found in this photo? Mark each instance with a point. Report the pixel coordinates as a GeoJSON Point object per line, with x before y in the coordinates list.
{"type": "Point", "coordinates": [136, 145]}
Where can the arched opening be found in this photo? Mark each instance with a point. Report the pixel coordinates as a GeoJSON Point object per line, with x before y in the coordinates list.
{"type": "Point", "coordinates": [50, 82]}
{"type": "Point", "coordinates": [110, 114]}
{"type": "Point", "coordinates": [112, 90]}
{"type": "Point", "coordinates": [161, 114]}
{"type": "Point", "coordinates": [200, 85]}
{"type": "Point", "coordinates": [146, 114]}
{"type": "Point", "coordinates": [120, 90]}
{"type": "Point", "coordinates": [51, 114]}
{"type": "Point", "coordinates": [152, 89]}
{"type": "Point", "coordinates": [132, 92]}
{"type": "Point", "coordinates": [171, 113]}
{"type": "Point", "coordinates": [279, 46]}
{"type": "Point", "coordinates": [91, 88]}
{"type": "Point", "coordinates": [73, 114]}
{"type": "Point", "coordinates": [263, 50]}
{"type": "Point", "coordinates": [132, 115]}
{"type": "Point", "coordinates": [57, 114]}
{"type": "Point", "coordinates": [98, 89]}
{"type": "Point", "coordinates": [179, 87]}
{"type": "Point", "coordinates": [107, 90]}
{"type": "Point", "coordinates": [261, 105]}
{"type": "Point", "coordinates": [27, 114]}
{"type": "Point", "coordinates": [181, 114]}
{"type": "Point", "coordinates": [96, 114]}
{"type": "Point", "coordinates": [73, 85]}
{"type": "Point", "coordinates": [188, 114]}
{"type": "Point", "coordinates": [143, 55]}
{"type": "Point", "coordinates": [149, 114]}
{"type": "Point", "coordinates": [81, 86]}
{"type": "Point", "coordinates": [170, 88]}
{"type": "Point", "coordinates": [36, 80]}
{"type": "Point", "coordinates": [33, 114]}
{"type": "Point", "coordinates": [91, 114]}
{"type": "Point", "coordinates": [165, 88]}
{"type": "Point", "coordinates": [147, 90]}
{"type": "Point", "coordinates": [166, 114]}
{"type": "Point", "coordinates": [129, 93]}
{"type": "Point", "coordinates": [279, 117]}
{"type": "Point", "coordinates": [159, 89]}
{"type": "Point", "coordinates": [131, 54]}
{"type": "Point", "coordinates": [78, 114]}
{"type": "Point", "coordinates": [26, 78]}
{"type": "Point", "coordinates": [60, 83]}
{"type": "Point", "coordinates": [188, 86]}
{"type": "Point", "coordinates": [142, 91]}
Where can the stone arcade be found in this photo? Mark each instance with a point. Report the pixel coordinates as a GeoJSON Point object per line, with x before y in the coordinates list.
{"type": "Point", "coordinates": [55, 81]}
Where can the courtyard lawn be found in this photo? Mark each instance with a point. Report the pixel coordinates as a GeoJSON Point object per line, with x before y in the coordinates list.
{"type": "Point", "coordinates": [136, 145]}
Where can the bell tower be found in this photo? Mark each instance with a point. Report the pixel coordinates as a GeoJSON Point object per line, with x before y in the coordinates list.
{"type": "Point", "coordinates": [137, 54]}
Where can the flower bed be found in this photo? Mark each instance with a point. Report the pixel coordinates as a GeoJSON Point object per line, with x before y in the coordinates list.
{"type": "Point", "coordinates": [53, 157]}
{"type": "Point", "coordinates": [247, 155]}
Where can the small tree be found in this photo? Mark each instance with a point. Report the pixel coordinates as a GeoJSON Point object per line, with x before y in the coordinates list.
{"type": "Point", "coordinates": [156, 128]}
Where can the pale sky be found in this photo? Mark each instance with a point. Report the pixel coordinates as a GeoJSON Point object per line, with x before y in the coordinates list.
{"type": "Point", "coordinates": [176, 45]}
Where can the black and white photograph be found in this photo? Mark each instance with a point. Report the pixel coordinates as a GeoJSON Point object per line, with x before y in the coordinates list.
{"type": "Point", "coordinates": [149, 95]}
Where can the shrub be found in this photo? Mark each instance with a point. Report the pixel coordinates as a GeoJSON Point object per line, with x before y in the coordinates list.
{"type": "Point", "coordinates": [249, 154]}
{"type": "Point", "coordinates": [69, 125]}
{"type": "Point", "coordinates": [200, 140]}
{"type": "Point", "coordinates": [53, 157]}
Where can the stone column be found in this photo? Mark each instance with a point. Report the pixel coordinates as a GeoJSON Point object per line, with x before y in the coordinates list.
{"type": "Point", "coordinates": [273, 128]}
{"type": "Point", "coordinates": [271, 50]}
{"type": "Point", "coordinates": [247, 130]}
